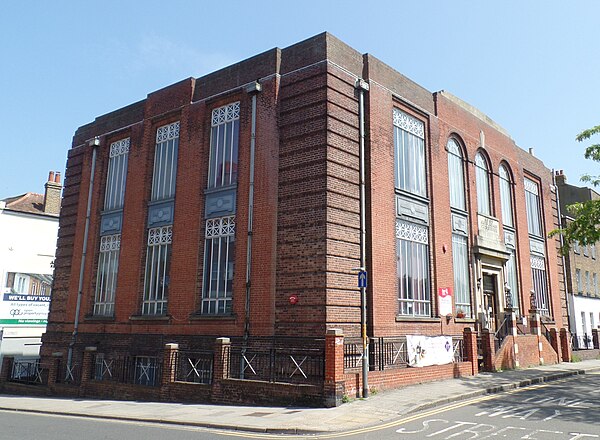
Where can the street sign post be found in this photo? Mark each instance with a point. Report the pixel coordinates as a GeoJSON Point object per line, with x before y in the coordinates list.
{"type": "Point", "coordinates": [362, 279]}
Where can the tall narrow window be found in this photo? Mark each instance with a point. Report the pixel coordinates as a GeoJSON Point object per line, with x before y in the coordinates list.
{"type": "Point", "coordinates": [532, 203]}
{"type": "Point", "coordinates": [587, 282]}
{"type": "Point", "coordinates": [218, 265]}
{"type": "Point", "coordinates": [412, 247]}
{"type": "Point", "coordinates": [110, 242]}
{"type": "Point", "coordinates": [456, 176]}
{"type": "Point", "coordinates": [108, 267]}
{"type": "Point", "coordinates": [460, 246]}
{"type": "Point", "coordinates": [158, 261]}
{"type": "Point", "coordinates": [224, 140]}
{"type": "Point", "coordinates": [409, 145]}
{"type": "Point", "coordinates": [578, 280]}
{"type": "Point", "coordinates": [595, 283]}
{"type": "Point", "coordinates": [506, 197]}
{"type": "Point", "coordinates": [114, 195]}
{"type": "Point", "coordinates": [511, 278]}
{"type": "Point", "coordinates": [483, 185]}
{"type": "Point", "coordinates": [165, 162]}
{"type": "Point", "coordinates": [540, 284]}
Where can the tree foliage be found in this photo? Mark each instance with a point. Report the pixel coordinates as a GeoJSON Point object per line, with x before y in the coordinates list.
{"type": "Point", "coordinates": [584, 228]}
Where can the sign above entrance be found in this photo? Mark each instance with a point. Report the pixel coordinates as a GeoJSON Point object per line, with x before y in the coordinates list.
{"type": "Point", "coordinates": [489, 228]}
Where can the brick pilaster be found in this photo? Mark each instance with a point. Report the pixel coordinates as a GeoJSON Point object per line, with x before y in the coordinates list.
{"type": "Point", "coordinates": [169, 366]}
{"type": "Point", "coordinates": [87, 367]}
{"type": "Point", "coordinates": [334, 368]}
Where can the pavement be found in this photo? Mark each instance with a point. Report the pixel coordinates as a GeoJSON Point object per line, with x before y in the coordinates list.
{"type": "Point", "coordinates": [378, 408]}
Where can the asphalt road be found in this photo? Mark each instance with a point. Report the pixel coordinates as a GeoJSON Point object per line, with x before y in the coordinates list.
{"type": "Point", "coordinates": [565, 410]}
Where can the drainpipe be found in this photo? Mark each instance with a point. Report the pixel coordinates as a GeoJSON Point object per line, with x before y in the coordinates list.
{"type": "Point", "coordinates": [252, 89]}
{"type": "Point", "coordinates": [562, 256]}
{"type": "Point", "coordinates": [362, 86]}
{"type": "Point", "coordinates": [94, 143]}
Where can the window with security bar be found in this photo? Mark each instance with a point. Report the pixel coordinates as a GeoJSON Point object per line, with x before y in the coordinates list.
{"type": "Point", "coordinates": [224, 141]}
{"type": "Point", "coordinates": [106, 280]}
{"type": "Point", "coordinates": [219, 254]}
{"type": "Point", "coordinates": [409, 153]}
{"type": "Point", "coordinates": [412, 252]}
{"type": "Point", "coordinates": [540, 284]}
{"type": "Point", "coordinates": [165, 162]}
{"type": "Point", "coordinates": [156, 277]}
{"type": "Point", "coordinates": [114, 194]}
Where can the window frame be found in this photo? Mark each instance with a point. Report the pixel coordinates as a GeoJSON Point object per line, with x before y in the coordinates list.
{"type": "Point", "coordinates": [456, 175]}
{"type": "Point", "coordinates": [224, 120]}
{"type": "Point", "coordinates": [108, 264]}
{"type": "Point", "coordinates": [156, 288]}
{"type": "Point", "coordinates": [483, 181]}
{"type": "Point", "coordinates": [410, 153]}
{"type": "Point", "coordinates": [533, 207]}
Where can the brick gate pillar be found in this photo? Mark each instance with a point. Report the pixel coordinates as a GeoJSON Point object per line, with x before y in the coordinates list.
{"type": "Point", "coordinates": [488, 346]}
{"type": "Point", "coordinates": [87, 368]}
{"type": "Point", "coordinates": [334, 387]}
{"type": "Point", "coordinates": [7, 365]}
{"type": "Point", "coordinates": [555, 342]}
{"type": "Point", "coordinates": [565, 343]}
{"type": "Point", "coordinates": [221, 353]}
{"type": "Point", "coordinates": [595, 339]}
{"type": "Point", "coordinates": [169, 365]}
{"type": "Point", "coordinates": [470, 341]}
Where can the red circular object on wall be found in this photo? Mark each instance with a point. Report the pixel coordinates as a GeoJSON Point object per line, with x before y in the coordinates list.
{"type": "Point", "coordinates": [293, 299]}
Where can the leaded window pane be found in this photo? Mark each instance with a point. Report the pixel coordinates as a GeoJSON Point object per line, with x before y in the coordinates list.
{"type": "Point", "coordinates": [158, 264]}
{"type": "Point", "coordinates": [456, 176]}
{"type": "Point", "coordinates": [165, 162]}
{"type": "Point", "coordinates": [532, 203]}
{"type": "Point", "coordinates": [409, 150]}
{"type": "Point", "coordinates": [114, 195]}
{"type": "Point", "coordinates": [412, 252]}
{"type": "Point", "coordinates": [106, 280]}
{"type": "Point", "coordinates": [483, 185]}
{"type": "Point", "coordinates": [506, 197]}
{"type": "Point", "coordinates": [219, 252]}
{"type": "Point", "coordinates": [460, 260]}
{"type": "Point", "coordinates": [224, 144]}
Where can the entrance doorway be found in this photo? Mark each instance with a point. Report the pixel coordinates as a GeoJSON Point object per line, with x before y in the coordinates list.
{"type": "Point", "coordinates": [490, 302]}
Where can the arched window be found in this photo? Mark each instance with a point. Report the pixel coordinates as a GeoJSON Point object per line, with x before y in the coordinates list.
{"type": "Point", "coordinates": [506, 197]}
{"type": "Point", "coordinates": [483, 185]}
{"type": "Point", "coordinates": [456, 176]}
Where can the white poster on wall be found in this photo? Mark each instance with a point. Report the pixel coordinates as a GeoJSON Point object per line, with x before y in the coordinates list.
{"type": "Point", "coordinates": [424, 351]}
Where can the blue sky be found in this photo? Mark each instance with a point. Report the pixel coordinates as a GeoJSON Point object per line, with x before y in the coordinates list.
{"type": "Point", "coordinates": [532, 66]}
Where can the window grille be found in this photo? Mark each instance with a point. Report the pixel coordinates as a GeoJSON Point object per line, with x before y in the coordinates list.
{"type": "Point", "coordinates": [456, 176]}
{"type": "Point", "coordinates": [412, 251]}
{"type": "Point", "coordinates": [540, 284]}
{"type": "Point", "coordinates": [218, 265]}
{"type": "Point", "coordinates": [165, 162]}
{"type": "Point", "coordinates": [483, 185]}
{"type": "Point", "coordinates": [409, 149]}
{"type": "Point", "coordinates": [147, 370]}
{"type": "Point", "coordinates": [106, 280]}
{"type": "Point", "coordinates": [117, 175]}
{"type": "Point", "coordinates": [156, 279]}
{"type": "Point", "coordinates": [532, 203]}
{"type": "Point", "coordinates": [460, 260]}
{"type": "Point", "coordinates": [506, 197]}
{"type": "Point", "coordinates": [224, 144]}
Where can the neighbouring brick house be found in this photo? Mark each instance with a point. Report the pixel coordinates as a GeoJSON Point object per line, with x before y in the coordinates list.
{"type": "Point", "coordinates": [582, 265]}
{"type": "Point", "coordinates": [224, 233]}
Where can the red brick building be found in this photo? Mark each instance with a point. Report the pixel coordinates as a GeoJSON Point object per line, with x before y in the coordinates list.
{"type": "Point", "coordinates": [229, 206]}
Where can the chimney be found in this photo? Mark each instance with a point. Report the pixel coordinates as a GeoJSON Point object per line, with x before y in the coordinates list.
{"type": "Point", "coordinates": [52, 194]}
{"type": "Point", "coordinates": [560, 178]}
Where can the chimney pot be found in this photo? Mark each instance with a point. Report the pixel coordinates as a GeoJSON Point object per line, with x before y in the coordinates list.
{"type": "Point", "coordinates": [51, 176]}
{"type": "Point", "coordinates": [57, 177]}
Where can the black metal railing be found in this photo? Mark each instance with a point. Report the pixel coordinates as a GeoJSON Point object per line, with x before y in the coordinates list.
{"type": "Point", "coordinates": [458, 345]}
{"type": "Point", "coordinates": [194, 366]}
{"type": "Point", "coordinates": [353, 352]}
{"type": "Point", "coordinates": [287, 365]}
{"type": "Point", "coordinates": [29, 371]}
{"type": "Point", "coordinates": [582, 341]}
{"type": "Point", "coordinates": [139, 370]}
{"type": "Point", "coordinates": [502, 332]}
{"type": "Point", "coordinates": [68, 374]}
{"type": "Point", "coordinates": [385, 353]}
{"type": "Point", "coordinates": [545, 330]}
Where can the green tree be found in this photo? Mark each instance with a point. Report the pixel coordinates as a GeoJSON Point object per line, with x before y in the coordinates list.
{"type": "Point", "coordinates": [585, 228]}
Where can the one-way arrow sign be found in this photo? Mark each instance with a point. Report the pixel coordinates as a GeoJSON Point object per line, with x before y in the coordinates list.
{"type": "Point", "coordinates": [362, 279]}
